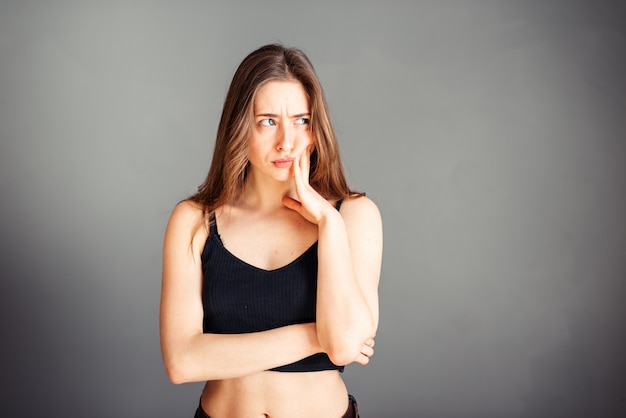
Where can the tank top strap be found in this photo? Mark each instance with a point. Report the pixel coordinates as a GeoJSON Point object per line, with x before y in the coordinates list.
{"type": "Point", "coordinates": [338, 204]}
{"type": "Point", "coordinates": [213, 225]}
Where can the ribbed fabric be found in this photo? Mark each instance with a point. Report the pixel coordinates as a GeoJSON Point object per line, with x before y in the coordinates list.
{"type": "Point", "coordinates": [241, 298]}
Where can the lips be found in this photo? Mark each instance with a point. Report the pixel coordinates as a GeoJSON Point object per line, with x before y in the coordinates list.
{"type": "Point", "coordinates": [283, 162]}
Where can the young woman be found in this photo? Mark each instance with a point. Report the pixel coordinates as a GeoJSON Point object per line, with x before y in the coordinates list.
{"type": "Point", "coordinates": [271, 270]}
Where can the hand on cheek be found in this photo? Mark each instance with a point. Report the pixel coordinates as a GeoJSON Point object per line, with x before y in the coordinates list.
{"type": "Point", "coordinates": [307, 202]}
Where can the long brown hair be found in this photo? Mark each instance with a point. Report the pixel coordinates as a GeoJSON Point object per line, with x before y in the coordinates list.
{"type": "Point", "coordinates": [228, 171]}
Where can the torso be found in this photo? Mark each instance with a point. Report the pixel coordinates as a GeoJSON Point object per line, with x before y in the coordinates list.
{"type": "Point", "coordinates": [270, 242]}
{"type": "Point", "coordinates": [277, 395]}
{"type": "Point", "coordinates": [267, 241]}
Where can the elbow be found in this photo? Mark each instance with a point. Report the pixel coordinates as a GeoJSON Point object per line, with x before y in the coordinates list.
{"type": "Point", "coordinates": [348, 348]}
{"type": "Point", "coordinates": [345, 346]}
{"type": "Point", "coordinates": [343, 353]}
{"type": "Point", "coordinates": [176, 376]}
{"type": "Point", "coordinates": [341, 358]}
{"type": "Point", "coordinates": [176, 371]}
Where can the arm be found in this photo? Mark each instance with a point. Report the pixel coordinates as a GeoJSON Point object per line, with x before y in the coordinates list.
{"type": "Point", "coordinates": [188, 353]}
{"type": "Point", "coordinates": [350, 252]}
{"type": "Point", "coordinates": [349, 257]}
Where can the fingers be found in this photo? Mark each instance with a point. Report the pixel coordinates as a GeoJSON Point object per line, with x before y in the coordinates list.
{"type": "Point", "coordinates": [302, 166]}
{"type": "Point", "coordinates": [292, 203]}
{"type": "Point", "coordinates": [301, 175]}
{"type": "Point", "coordinates": [362, 360]}
{"type": "Point", "coordinates": [313, 205]}
{"type": "Point", "coordinates": [298, 172]}
{"type": "Point", "coordinates": [367, 351]}
{"type": "Point", "coordinates": [364, 357]}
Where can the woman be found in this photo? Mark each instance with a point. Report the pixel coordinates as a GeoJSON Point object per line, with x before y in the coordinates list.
{"type": "Point", "coordinates": [271, 270]}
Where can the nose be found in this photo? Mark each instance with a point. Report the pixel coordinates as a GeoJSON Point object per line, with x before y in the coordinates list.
{"type": "Point", "coordinates": [285, 138]}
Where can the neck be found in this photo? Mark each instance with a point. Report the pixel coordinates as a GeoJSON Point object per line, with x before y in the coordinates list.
{"type": "Point", "coordinates": [264, 194]}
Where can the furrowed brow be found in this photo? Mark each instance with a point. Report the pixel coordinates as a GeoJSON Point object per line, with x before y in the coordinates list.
{"type": "Point", "coordinates": [274, 115]}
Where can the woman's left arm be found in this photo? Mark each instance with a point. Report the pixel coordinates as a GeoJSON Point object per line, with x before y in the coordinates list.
{"type": "Point", "coordinates": [349, 260]}
{"type": "Point", "coordinates": [349, 265]}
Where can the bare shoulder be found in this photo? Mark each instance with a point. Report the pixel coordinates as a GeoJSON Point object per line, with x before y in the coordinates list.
{"type": "Point", "coordinates": [187, 211]}
{"type": "Point", "coordinates": [362, 219]}
{"type": "Point", "coordinates": [187, 222]}
{"type": "Point", "coordinates": [360, 209]}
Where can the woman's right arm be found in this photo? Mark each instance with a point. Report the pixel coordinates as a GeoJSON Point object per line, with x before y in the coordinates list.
{"type": "Point", "coordinates": [189, 355]}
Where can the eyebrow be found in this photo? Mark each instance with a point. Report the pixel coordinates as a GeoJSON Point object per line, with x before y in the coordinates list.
{"type": "Point", "coordinates": [274, 115]}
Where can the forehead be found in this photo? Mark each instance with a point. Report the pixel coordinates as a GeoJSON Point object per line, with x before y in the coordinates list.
{"type": "Point", "coordinates": [275, 95]}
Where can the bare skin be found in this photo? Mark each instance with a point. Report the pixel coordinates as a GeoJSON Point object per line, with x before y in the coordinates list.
{"type": "Point", "coordinates": [267, 229]}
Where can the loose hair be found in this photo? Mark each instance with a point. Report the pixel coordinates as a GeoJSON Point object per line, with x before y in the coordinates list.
{"type": "Point", "coordinates": [229, 166]}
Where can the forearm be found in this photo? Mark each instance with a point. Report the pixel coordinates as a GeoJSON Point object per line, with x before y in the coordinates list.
{"type": "Point", "coordinates": [344, 318]}
{"type": "Point", "coordinates": [203, 357]}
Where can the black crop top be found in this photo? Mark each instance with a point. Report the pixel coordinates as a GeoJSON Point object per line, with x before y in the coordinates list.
{"type": "Point", "coordinates": [241, 298]}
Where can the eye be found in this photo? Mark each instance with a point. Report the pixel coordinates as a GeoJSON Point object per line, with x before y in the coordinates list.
{"type": "Point", "coordinates": [302, 121]}
{"type": "Point", "coordinates": [267, 122]}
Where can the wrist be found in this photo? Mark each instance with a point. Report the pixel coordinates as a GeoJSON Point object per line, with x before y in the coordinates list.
{"type": "Point", "coordinates": [329, 218]}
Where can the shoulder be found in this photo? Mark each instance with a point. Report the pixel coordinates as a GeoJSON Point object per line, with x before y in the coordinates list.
{"type": "Point", "coordinates": [365, 231]}
{"type": "Point", "coordinates": [187, 212]}
{"type": "Point", "coordinates": [187, 221]}
{"type": "Point", "coordinates": [360, 211]}
{"type": "Point", "coordinates": [359, 206]}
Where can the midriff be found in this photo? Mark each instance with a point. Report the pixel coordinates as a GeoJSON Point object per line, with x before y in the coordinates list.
{"type": "Point", "coordinates": [277, 395]}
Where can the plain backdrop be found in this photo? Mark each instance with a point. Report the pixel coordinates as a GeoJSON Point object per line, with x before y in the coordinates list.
{"type": "Point", "coordinates": [491, 134]}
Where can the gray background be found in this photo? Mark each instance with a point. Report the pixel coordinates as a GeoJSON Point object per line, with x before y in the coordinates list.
{"type": "Point", "coordinates": [492, 135]}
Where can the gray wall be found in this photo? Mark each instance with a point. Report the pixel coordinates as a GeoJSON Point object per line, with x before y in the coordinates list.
{"type": "Point", "coordinates": [492, 135]}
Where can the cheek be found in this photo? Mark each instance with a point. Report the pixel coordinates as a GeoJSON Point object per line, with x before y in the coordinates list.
{"type": "Point", "coordinates": [258, 143]}
{"type": "Point", "coordinates": [306, 140]}
{"type": "Point", "coordinates": [253, 150]}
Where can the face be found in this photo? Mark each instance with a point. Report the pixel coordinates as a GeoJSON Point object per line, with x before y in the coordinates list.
{"type": "Point", "coordinates": [280, 131]}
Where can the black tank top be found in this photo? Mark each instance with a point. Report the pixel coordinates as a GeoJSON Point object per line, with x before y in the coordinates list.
{"type": "Point", "coordinates": [240, 298]}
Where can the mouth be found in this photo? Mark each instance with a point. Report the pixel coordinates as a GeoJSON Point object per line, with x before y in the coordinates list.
{"type": "Point", "coordinates": [283, 162]}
